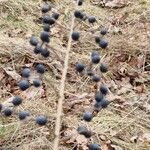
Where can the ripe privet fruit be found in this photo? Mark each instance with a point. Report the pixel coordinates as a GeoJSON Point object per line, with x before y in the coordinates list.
{"type": "Point", "coordinates": [104, 103]}
{"type": "Point", "coordinates": [103, 68]}
{"type": "Point", "coordinates": [92, 19]}
{"type": "Point", "coordinates": [17, 100]}
{"type": "Point", "coordinates": [46, 8]}
{"type": "Point", "coordinates": [80, 67]}
{"type": "Point", "coordinates": [48, 20]}
{"type": "Point", "coordinates": [80, 2]}
{"type": "Point", "coordinates": [46, 27]}
{"type": "Point", "coordinates": [78, 14]}
{"type": "Point", "coordinates": [84, 131]}
{"type": "Point", "coordinates": [1, 106]}
{"type": "Point", "coordinates": [98, 97]}
{"type": "Point", "coordinates": [55, 15]}
{"type": "Point", "coordinates": [40, 68]}
{"type": "Point", "coordinates": [25, 72]}
{"type": "Point", "coordinates": [75, 35]}
{"type": "Point", "coordinates": [37, 82]}
{"type": "Point", "coordinates": [97, 39]}
{"type": "Point", "coordinates": [96, 78]}
{"type": "Point", "coordinates": [7, 112]}
{"type": "Point", "coordinates": [97, 106]}
{"type": "Point", "coordinates": [95, 59]}
{"type": "Point", "coordinates": [103, 43]}
{"type": "Point", "coordinates": [24, 84]}
{"type": "Point", "coordinates": [87, 134]}
{"type": "Point", "coordinates": [38, 49]}
{"type": "Point", "coordinates": [103, 31]}
{"type": "Point", "coordinates": [33, 41]}
{"type": "Point", "coordinates": [87, 116]}
{"type": "Point", "coordinates": [94, 53]}
{"type": "Point", "coordinates": [45, 52]}
{"type": "Point", "coordinates": [103, 89]}
{"type": "Point", "coordinates": [23, 115]}
{"type": "Point", "coordinates": [94, 147]}
{"type": "Point", "coordinates": [45, 36]}
{"type": "Point", "coordinates": [41, 120]}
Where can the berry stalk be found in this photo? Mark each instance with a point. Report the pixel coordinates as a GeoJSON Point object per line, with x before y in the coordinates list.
{"type": "Point", "coordinates": [62, 88]}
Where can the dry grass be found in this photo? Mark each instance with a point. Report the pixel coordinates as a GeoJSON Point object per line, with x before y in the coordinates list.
{"type": "Point", "coordinates": [129, 38]}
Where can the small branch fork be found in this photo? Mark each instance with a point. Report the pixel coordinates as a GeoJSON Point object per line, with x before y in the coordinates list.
{"type": "Point", "coordinates": [62, 88]}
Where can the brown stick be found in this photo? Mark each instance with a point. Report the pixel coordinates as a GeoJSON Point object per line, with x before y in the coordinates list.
{"type": "Point", "coordinates": [62, 89]}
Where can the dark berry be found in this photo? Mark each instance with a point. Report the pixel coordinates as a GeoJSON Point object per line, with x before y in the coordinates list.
{"type": "Point", "coordinates": [45, 36]}
{"type": "Point", "coordinates": [24, 84]}
{"type": "Point", "coordinates": [33, 41]}
{"type": "Point", "coordinates": [97, 106]}
{"type": "Point", "coordinates": [45, 52]}
{"type": "Point", "coordinates": [103, 68]}
{"type": "Point", "coordinates": [96, 78]}
{"type": "Point", "coordinates": [80, 2]}
{"type": "Point", "coordinates": [81, 129]}
{"type": "Point", "coordinates": [103, 89]}
{"type": "Point", "coordinates": [96, 59]}
{"type": "Point", "coordinates": [41, 120]}
{"type": "Point", "coordinates": [7, 112]}
{"type": "Point", "coordinates": [103, 43]}
{"type": "Point", "coordinates": [87, 116]}
{"type": "Point", "coordinates": [48, 20]}
{"type": "Point", "coordinates": [25, 72]}
{"type": "Point", "coordinates": [97, 39]}
{"type": "Point", "coordinates": [37, 82]}
{"type": "Point", "coordinates": [40, 68]}
{"type": "Point", "coordinates": [80, 67]}
{"type": "Point", "coordinates": [92, 19]}
{"type": "Point", "coordinates": [87, 134]}
{"type": "Point", "coordinates": [94, 147]}
{"type": "Point", "coordinates": [98, 97]}
{"type": "Point", "coordinates": [23, 115]}
{"type": "Point", "coordinates": [38, 49]}
{"type": "Point", "coordinates": [104, 103]}
{"type": "Point", "coordinates": [46, 8]}
{"type": "Point", "coordinates": [78, 14]}
{"type": "Point", "coordinates": [46, 27]}
{"type": "Point", "coordinates": [103, 31]}
{"type": "Point", "coordinates": [55, 15]}
{"type": "Point", "coordinates": [17, 100]}
{"type": "Point", "coordinates": [95, 53]}
{"type": "Point", "coordinates": [1, 106]}
{"type": "Point", "coordinates": [84, 131]}
{"type": "Point", "coordinates": [75, 36]}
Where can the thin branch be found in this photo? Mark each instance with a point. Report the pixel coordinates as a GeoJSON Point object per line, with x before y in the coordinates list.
{"type": "Point", "coordinates": [62, 88]}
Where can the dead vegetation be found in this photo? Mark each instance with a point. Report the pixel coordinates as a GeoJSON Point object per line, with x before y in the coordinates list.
{"type": "Point", "coordinates": [125, 125]}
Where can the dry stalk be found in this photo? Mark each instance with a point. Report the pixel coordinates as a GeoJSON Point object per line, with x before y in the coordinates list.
{"type": "Point", "coordinates": [62, 88]}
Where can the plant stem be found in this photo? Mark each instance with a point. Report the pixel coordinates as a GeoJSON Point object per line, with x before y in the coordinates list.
{"type": "Point", "coordinates": [62, 88]}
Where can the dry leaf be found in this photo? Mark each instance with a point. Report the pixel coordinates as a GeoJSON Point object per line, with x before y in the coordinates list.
{"type": "Point", "coordinates": [33, 93]}
{"type": "Point", "coordinates": [12, 73]}
{"type": "Point", "coordinates": [115, 147]}
{"type": "Point", "coordinates": [116, 3]}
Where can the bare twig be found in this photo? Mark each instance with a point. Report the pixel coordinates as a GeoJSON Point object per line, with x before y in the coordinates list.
{"type": "Point", "coordinates": [62, 88]}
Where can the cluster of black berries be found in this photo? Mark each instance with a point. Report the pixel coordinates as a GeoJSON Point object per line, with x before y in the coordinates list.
{"type": "Point", "coordinates": [48, 22]}
{"type": "Point", "coordinates": [39, 48]}
{"type": "Point", "coordinates": [83, 16]}
{"type": "Point", "coordinates": [24, 85]}
{"type": "Point", "coordinates": [100, 39]}
{"type": "Point", "coordinates": [100, 96]}
{"type": "Point", "coordinates": [17, 100]}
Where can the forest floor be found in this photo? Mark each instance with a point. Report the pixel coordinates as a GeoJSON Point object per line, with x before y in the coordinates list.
{"type": "Point", "coordinates": [125, 124]}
